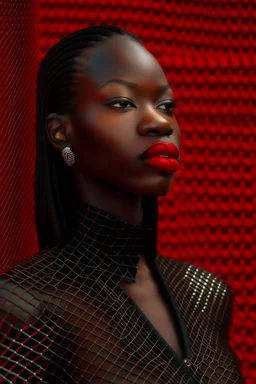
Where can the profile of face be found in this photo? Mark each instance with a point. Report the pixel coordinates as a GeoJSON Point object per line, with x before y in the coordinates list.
{"type": "Point", "coordinates": [123, 106]}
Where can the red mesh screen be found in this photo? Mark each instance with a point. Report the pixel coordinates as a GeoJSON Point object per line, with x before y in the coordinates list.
{"type": "Point", "coordinates": [18, 65]}
{"type": "Point", "coordinates": [208, 52]}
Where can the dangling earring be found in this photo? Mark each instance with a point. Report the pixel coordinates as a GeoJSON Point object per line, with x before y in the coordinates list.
{"type": "Point", "coordinates": [68, 156]}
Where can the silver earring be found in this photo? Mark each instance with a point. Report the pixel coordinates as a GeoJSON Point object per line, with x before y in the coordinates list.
{"type": "Point", "coordinates": [68, 156]}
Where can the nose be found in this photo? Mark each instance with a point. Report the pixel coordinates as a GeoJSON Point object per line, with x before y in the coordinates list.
{"type": "Point", "coordinates": [153, 123]}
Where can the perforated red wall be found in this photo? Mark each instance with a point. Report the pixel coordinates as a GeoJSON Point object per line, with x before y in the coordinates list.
{"type": "Point", "coordinates": [208, 52]}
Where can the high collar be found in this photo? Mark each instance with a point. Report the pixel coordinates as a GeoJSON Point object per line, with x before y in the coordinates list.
{"type": "Point", "coordinates": [106, 243]}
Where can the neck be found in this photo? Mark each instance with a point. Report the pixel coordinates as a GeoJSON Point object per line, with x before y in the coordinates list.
{"type": "Point", "coordinates": [109, 198]}
{"type": "Point", "coordinates": [103, 243]}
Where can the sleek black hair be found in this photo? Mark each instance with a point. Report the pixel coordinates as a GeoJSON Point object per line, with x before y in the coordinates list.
{"type": "Point", "coordinates": [55, 193]}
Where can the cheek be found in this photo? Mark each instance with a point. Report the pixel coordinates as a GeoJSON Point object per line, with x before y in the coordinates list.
{"type": "Point", "coordinates": [107, 146]}
{"type": "Point", "coordinates": [102, 130]}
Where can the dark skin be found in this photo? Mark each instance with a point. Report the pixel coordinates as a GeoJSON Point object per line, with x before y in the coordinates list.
{"type": "Point", "coordinates": [112, 125]}
{"type": "Point", "coordinates": [108, 140]}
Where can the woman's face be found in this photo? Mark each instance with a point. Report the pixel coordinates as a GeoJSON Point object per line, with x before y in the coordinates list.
{"type": "Point", "coordinates": [123, 107]}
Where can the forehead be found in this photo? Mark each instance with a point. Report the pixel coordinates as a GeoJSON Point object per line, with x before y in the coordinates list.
{"type": "Point", "coordinates": [121, 56]}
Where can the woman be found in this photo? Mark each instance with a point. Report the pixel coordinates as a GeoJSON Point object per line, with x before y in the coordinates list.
{"type": "Point", "coordinates": [96, 304]}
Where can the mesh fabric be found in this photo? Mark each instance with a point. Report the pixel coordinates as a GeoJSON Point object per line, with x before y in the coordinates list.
{"type": "Point", "coordinates": [66, 319]}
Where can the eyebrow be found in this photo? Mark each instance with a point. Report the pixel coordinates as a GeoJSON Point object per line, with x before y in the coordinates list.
{"type": "Point", "coordinates": [131, 85]}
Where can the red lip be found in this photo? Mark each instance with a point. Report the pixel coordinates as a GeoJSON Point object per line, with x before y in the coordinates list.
{"type": "Point", "coordinates": [161, 149]}
{"type": "Point", "coordinates": [169, 165]}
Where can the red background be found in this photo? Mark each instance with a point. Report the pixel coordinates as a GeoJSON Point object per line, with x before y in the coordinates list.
{"type": "Point", "coordinates": [207, 50]}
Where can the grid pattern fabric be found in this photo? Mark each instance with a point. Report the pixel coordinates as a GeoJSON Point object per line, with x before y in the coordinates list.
{"type": "Point", "coordinates": [18, 65]}
{"type": "Point", "coordinates": [67, 318]}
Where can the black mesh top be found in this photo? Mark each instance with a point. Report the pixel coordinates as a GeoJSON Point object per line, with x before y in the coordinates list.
{"type": "Point", "coordinates": [66, 319]}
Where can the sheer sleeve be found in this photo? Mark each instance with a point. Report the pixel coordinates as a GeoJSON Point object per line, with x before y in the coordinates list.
{"type": "Point", "coordinates": [25, 340]}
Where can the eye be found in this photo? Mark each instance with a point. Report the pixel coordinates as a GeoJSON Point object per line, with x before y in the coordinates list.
{"type": "Point", "coordinates": [168, 106]}
{"type": "Point", "coordinates": [121, 104]}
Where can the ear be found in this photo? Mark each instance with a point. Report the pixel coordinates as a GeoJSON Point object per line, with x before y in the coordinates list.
{"type": "Point", "coordinates": [59, 130]}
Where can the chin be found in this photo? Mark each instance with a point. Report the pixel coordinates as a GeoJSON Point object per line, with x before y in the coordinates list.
{"type": "Point", "coordinates": [159, 186]}
{"type": "Point", "coordinates": [162, 191]}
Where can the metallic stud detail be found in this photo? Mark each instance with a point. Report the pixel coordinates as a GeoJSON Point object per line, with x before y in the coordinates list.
{"type": "Point", "coordinates": [68, 156]}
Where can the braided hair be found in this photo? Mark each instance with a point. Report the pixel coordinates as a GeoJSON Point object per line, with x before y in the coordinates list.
{"type": "Point", "coordinates": [55, 193]}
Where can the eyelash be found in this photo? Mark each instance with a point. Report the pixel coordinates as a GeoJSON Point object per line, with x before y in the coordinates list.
{"type": "Point", "coordinates": [172, 105]}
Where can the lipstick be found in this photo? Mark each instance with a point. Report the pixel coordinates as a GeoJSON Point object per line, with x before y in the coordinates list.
{"type": "Point", "coordinates": [162, 156]}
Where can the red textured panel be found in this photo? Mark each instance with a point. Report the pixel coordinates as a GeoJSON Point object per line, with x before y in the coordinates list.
{"type": "Point", "coordinates": [19, 60]}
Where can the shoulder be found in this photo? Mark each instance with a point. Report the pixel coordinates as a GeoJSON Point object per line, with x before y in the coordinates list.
{"type": "Point", "coordinates": [27, 337]}
{"type": "Point", "coordinates": [21, 298]}
{"type": "Point", "coordinates": [194, 276]}
{"type": "Point", "coordinates": [201, 290]}
{"type": "Point", "coordinates": [19, 303]}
